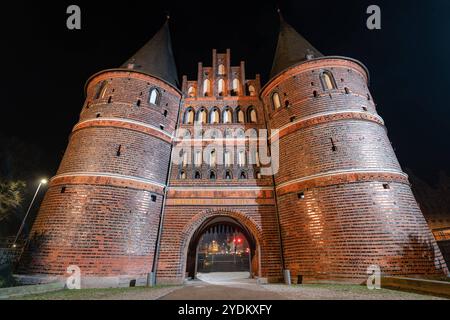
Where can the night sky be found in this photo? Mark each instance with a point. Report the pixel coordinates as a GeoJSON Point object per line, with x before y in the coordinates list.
{"type": "Point", "coordinates": [45, 66]}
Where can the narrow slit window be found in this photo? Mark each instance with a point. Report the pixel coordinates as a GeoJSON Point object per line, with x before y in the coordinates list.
{"type": "Point", "coordinates": [119, 151]}
{"type": "Point", "coordinates": [333, 146]}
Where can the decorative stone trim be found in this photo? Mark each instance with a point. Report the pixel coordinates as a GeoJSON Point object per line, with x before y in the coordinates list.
{"type": "Point", "coordinates": [125, 124]}
{"type": "Point", "coordinates": [106, 179]}
{"type": "Point", "coordinates": [339, 178]}
{"type": "Point", "coordinates": [324, 118]}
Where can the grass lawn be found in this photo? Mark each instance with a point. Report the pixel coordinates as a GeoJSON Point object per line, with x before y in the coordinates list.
{"type": "Point", "coordinates": [102, 294]}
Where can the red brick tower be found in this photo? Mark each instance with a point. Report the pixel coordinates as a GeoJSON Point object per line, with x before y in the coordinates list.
{"type": "Point", "coordinates": [343, 200]}
{"type": "Point", "coordinates": [102, 209]}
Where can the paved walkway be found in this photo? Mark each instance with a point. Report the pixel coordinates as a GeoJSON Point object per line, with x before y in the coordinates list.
{"type": "Point", "coordinates": [238, 286]}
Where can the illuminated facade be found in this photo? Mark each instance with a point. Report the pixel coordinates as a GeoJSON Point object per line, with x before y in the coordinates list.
{"type": "Point", "coordinates": [162, 179]}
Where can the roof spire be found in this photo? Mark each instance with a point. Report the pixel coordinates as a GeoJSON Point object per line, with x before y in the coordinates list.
{"type": "Point", "coordinates": [156, 56]}
{"type": "Point", "coordinates": [292, 48]}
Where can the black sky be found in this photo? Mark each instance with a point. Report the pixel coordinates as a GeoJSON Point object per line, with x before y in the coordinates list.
{"type": "Point", "coordinates": [45, 65]}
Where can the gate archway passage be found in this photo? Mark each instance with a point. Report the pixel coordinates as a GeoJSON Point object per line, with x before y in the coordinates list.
{"type": "Point", "coordinates": [222, 244]}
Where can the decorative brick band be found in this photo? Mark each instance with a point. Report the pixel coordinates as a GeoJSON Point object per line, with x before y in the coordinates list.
{"type": "Point", "coordinates": [106, 179]}
{"type": "Point", "coordinates": [125, 124]}
{"type": "Point", "coordinates": [323, 118]}
{"type": "Point", "coordinates": [220, 202]}
{"type": "Point", "coordinates": [219, 193]}
{"type": "Point", "coordinates": [340, 177]}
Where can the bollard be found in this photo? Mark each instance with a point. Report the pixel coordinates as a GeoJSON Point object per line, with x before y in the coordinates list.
{"type": "Point", "coordinates": [287, 277]}
{"type": "Point", "coordinates": [150, 279]}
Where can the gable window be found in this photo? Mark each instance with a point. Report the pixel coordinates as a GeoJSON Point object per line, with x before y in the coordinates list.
{"type": "Point", "coordinates": [252, 115]}
{"type": "Point", "coordinates": [227, 116]}
{"type": "Point", "coordinates": [198, 158]}
{"type": "Point", "coordinates": [202, 116]}
{"type": "Point", "coordinates": [228, 158]}
{"type": "Point", "coordinates": [221, 87]}
{"type": "Point", "coordinates": [240, 116]}
{"type": "Point", "coordinates": [189, 116]}
{"type": "Point", "coordinates": [251, 90]}
{"type": "Point", "coordinates": [214, 118]}
{"type": "Point", "coordinates": [328, 82]}
{"type": "Point", "coordinates": [236, 85]}
{"type": "Point", "coordinates": [213, 158]}
{"type": "Point", "coordinates": [221, 70]}
{"type": "Point", "coordinates": [241, 158]}
{"type": "Point", "coordinates": [228, 175]}
{"type": "Point", "coordinates": [206, 87]}
{"type": "Point", "coordinates": [154, 96]}
{"type": "Point", "coordinates": [191, 92]}
{"type": "Point", "coordinates": [276, 101]}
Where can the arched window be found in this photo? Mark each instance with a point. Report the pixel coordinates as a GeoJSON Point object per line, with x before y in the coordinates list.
{"type": "Point", "coordinates": [221, 70]}
{"type": "Point", "coordinates": [213, 158]}
{"type": "Point", "coordinates": [228, 175]}
{"type": "Point", "coordinates": [202, 116]}
{"type": "Point", "coordinates": [101, 90]}
{"type": "Point", "coordinates": [198, 158]}
{"type": "Point", "coordinates": [214, 117]}
{"type": "Point", "coordinates": [228, 158]}
{"type": "Point", "coordinates": [197, 175]}
{"type": "Point", "coordinates": [154, 96]}
{"type": "Point", "coordinates": [212, 175]}
{"type": "Point", "coordinates": [192, 92]}
{"type": "Point", "coordinates": [258, 175]}
{"type": "Point", "coordinates": [240, 134]}
{"type": "Point", "coordinates": [276, 101]}
{"type": "Point", "coordinates": [227, 116]}
{"type": "Point", "coordinates": [241, 158]}
{"type": "Point", "coordinates": [189, 117]}
{"type": "Point", "coordinates": [255, 159]}
{"type": "Point", "coordinates": [183, 175]}
{"type": "Point", "coordinates": [243, 175]}
{"type": "Point", "coordinates": [206, 87]}
{"type": "Point", "coordinates": [236, 85]}
{"type": "Point", "coordinates": [252, 115]}
{"type": "Point", "coordinates": [228, 133]}
{"type": "Point", "coordinates": [240, 116]}
{"type": "Point", "coordinates": [328, 82]}
{"type": "Point", "coordinates": [187, 134]}
{"type": "Point", "coordinates": [184, 158]}
{"type": "Point", "coordinates": [251, 90]}
{"type": "Point", "coordinates": [221, 87]}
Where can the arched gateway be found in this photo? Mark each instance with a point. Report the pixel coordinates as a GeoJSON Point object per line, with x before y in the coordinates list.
{"type": "Point", "coordinates": [222, 244]}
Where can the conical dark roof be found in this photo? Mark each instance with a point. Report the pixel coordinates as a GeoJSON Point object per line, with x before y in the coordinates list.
{"type": "Point", "coordinates": [292, 48]}
{"type": "Point", "coordinates": [156, 57]}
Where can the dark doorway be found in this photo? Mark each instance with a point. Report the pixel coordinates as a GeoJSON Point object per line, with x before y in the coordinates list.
{"type": "Point", "coordinates": [221, 245]}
